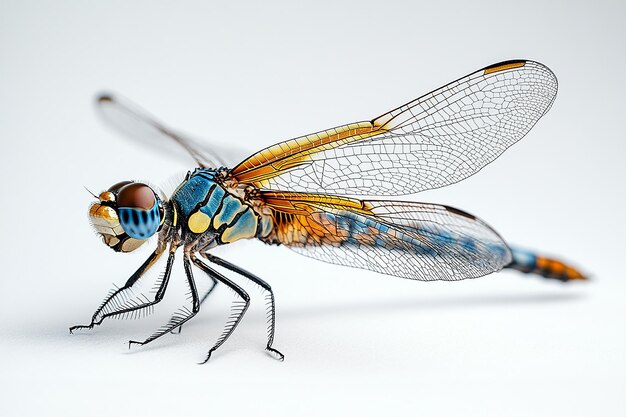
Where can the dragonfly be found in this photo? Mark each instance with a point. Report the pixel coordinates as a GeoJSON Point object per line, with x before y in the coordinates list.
{"type": "Point", "coordinates": [303, 193]}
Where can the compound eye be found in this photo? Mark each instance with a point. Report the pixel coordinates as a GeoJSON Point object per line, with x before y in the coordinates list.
{"type": "Point", "coordinates": [115, 188]}
{"type": "Point", "coordinates": [138, 210]}
{"type": "Point", "coordinates": [136, 195]}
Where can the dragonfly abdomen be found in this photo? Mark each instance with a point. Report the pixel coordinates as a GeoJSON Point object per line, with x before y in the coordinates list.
{"type": "Point", "coordinates": [530, 262]}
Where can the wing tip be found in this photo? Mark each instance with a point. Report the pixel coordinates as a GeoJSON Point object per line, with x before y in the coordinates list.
{"type": "Point", "coordinates": [104, 97]}
{"type": "Point", "coordinates": [546, 72]}
{"type": "Point", "coordinates": [504, 65]}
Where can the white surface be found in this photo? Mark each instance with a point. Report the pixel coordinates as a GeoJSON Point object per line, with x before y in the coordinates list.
{"type": "Point", "coordinates": [355, 342]}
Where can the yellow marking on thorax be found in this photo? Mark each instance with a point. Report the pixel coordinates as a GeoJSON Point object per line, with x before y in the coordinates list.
{"type": "Point", "coordinates": [226, 214]}
{"type": "Point", "coordinates": [199, 222]}
{"type": "Point", "coordinates": [244, 228]}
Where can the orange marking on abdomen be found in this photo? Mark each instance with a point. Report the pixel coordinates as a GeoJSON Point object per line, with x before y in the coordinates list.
{"type": "Point", "coordinates": [542, 263]}
{"type": "Point", "coordinates": [557, 269]}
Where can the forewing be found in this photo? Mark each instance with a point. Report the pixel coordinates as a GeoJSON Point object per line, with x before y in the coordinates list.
{"type": "Point", "coordinates": [135, 123]}
{"type": "Point", "coordinates": [410, 240]}
{"type": "Point", "coordinates": [435, 140]}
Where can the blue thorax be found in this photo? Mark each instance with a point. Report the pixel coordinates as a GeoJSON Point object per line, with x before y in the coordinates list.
{"type": "Point", "coordinates": [195, 190]}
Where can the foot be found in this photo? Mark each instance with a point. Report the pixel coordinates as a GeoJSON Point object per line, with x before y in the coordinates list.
{"type": "Point", "coordinates": [80, 326]}
{"type": "Point", "coordinates": [134, 342]}
{"type": "Point", "coordinates": [275, 354]}
{"type": "Point", "coordinates": [208, 356]}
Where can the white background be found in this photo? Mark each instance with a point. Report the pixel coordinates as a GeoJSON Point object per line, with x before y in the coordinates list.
{"type": "Point", "coordinates": [355, 342]}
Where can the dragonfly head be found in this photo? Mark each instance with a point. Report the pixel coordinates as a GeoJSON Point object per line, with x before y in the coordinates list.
{"type": "Point", "coordinates": [127, 215]}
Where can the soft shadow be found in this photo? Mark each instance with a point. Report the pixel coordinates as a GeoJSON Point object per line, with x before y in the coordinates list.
{"type": "Point", "coordinates": [392, 307]}
{"type": "Point", "coordinates": [59, 330]}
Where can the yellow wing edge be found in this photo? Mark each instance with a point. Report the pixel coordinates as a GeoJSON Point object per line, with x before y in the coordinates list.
{"type": "Point", "coordinates": [293, 202]}
{"type": "Point", "coordinates": [503, 66]}
{"type": "Point", "coordinates": [272, 160]}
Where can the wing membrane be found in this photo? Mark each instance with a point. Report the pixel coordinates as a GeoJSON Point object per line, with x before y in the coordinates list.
{"type": "Point", "coordinates": [137, 124]}
{"type": "Point", "coordinates": [405, 239]}
{"type": "Point", "coordinates": [433, 141]}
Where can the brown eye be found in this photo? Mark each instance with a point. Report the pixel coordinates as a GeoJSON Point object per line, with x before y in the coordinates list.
{"type": "Point", "coordinates": [116, 187]}
{"type": "Point", "coordinates": [136, 195]}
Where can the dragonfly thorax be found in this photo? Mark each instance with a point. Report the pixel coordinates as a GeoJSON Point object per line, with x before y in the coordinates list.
{"type": "Point", "coordinates": [207, 205]}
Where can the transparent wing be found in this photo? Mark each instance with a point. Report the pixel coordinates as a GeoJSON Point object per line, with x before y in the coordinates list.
{"type": "Point", "coordinates": [135, 123]}
{"type": "Point", "coordinates": [433, 141]}
{"type": "Point", "coordinates": [410, 240]}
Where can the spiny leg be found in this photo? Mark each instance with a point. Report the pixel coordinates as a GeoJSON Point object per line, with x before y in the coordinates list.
{"type": "Point", "coordinates": [210, 290]}
{"type": "Point", "coordinates": [118, 303]}
{"type": "Point", "coordinates": [201, 248]}
{"type": "Point", "coordinates": [238, 309]}
{"type": "Point", "coordinates": [202, 300]}
{"type": "Point", "coordinates": [269, 298]}
{"type": "Point", "coordinates": [182, 315]}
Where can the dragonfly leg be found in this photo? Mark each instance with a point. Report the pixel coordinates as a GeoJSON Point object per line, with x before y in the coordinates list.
{"type": "Point", "coordinates": [121, 301]}
{"type": "Point", "coordinates": [209, 291]}
{"type": "Point", "coordinates": [202, 300]}
{"type": "Point", "coordinates": [238, 310]}
{"type": "Point", "coordinates": [269, 298]}
{"type": "Point", "coordinates": [183, 314]}
{"type": "Point", "coordinates": [214, 281]}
